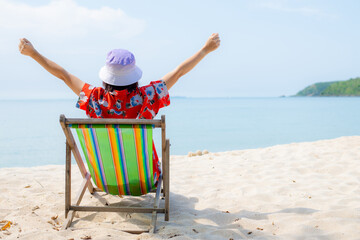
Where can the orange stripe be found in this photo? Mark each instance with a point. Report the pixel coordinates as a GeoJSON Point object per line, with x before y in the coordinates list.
{"type": "Point", "coordinates": [116, 160]}
{"type": "Point", "coordinates": [91, 156]}
{"type": "Point", "coordinates": [140, 158]}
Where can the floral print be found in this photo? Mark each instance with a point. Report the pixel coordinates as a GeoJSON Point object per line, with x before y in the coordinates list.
{"type": "Point", "coordinates": [143, 103]}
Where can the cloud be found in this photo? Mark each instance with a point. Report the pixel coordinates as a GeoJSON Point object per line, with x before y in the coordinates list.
{"type": "Point", "coordinates": [282, 5]}
{"type": "Point", "coordinates": [66, 19]}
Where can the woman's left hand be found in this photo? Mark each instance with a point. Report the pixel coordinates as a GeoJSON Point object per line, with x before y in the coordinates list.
{"type": "Point", "coordinates": [212, 43]}
{"type": "Point", "coordinates": [26, 48]}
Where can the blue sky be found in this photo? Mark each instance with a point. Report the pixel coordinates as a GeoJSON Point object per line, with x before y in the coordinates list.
{"type": "Point", "coordinates": [269, 47]}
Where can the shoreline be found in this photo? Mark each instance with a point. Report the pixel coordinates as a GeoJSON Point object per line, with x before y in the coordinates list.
{"type": "Point", "coordinates": [306, 190]}
{"type": "Point", "coordinates": [194, 152]}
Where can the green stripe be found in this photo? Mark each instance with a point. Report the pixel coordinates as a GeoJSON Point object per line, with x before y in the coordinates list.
{"type": "Point", "coordinates": [119, 148]}
{"type": "Point", "coordinates": [149, 130]}
{"type": "Point", "coordinates": [131, 160]}
{"type": "Point", "coordinates": [82, 143]}
{"type": "Point", "coordinates": [143, 152]}
{"type": "Point", "coordinates": [107, 160]}
{"type": "Point", "coordinates": [146, 173]}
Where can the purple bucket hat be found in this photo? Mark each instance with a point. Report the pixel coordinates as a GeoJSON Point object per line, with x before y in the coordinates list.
{"type": "Point", "coordinates": [120, 68]}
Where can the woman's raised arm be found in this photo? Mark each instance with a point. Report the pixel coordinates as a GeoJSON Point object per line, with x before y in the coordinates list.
{"type": "Point", "coordinates": [211, 44]}
{"type": "Point", "coordinates": [26, 48]}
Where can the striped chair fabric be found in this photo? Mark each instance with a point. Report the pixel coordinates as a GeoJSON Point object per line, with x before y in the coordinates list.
{"type": "Point", "coordinates": [119, 158]}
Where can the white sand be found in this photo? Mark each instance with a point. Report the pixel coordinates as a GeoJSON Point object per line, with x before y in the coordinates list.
{"type": "Point", "coordinates": [295, 191]}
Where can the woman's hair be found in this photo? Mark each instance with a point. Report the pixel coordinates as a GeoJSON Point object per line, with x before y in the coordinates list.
{"type": "Point", "coordinates": [110, 88]}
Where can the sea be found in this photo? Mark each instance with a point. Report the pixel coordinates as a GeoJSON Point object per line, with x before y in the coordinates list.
{"type": "Point", "coordinates": [30, 133]}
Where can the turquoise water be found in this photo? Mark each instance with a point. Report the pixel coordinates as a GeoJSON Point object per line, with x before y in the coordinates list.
{"type": "Point", "coordinates": [30, 133]}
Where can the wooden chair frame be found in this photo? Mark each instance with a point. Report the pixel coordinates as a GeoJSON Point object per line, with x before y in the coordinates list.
{"type": "Point", "coordinates": [71, 147]}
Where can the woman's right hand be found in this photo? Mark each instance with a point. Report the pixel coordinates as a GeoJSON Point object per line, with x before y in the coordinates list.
{"type": "Point", "coordinates": [26, 48]}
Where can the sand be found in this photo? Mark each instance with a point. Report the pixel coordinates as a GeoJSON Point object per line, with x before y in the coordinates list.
{"type": "Point", "coordinates": [296, 191]}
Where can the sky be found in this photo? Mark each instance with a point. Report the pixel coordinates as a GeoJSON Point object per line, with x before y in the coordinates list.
{"type": "Point", "coordinates": [269, 48]}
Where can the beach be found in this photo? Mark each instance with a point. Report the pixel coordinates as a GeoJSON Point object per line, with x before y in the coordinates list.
{"type": "Point", "coordinates": [308, 190]}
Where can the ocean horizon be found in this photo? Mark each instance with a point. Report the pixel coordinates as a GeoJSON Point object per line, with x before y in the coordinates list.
{"type": "Point", "coordinates": [30, 133]}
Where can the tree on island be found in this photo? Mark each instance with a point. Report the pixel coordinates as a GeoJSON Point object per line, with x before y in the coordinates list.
{"type": "Point", "coordinates": [350, 87]}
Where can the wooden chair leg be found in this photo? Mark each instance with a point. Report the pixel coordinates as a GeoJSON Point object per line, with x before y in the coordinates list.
{"type": "Point", "coordinates": [156, 205]}
{"type": "Point", "coordinates": [71, 142]}
{"type": "Point", "coordinates": [79, 197]}
{"type": "Point", "coordinates": [67, 180]}
{"type": "Point", "coordinates": [163, 147]}
{"type": "Point", "coordinates": [167, 181]}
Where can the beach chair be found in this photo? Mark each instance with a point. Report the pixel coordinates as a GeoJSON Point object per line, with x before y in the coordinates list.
{"type": "Point", "coordinates": [118, 154]}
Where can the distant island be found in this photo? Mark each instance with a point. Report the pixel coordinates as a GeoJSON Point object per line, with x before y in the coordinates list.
{"type": "Point", "coordinates": [350, 87]}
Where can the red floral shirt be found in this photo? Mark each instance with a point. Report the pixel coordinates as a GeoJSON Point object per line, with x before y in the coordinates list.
{"type": "Point", "coordinates": [143, 103]}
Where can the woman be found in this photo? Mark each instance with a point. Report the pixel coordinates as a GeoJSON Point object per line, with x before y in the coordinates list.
{"type": "Point", "coordinates": [120, 96]}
